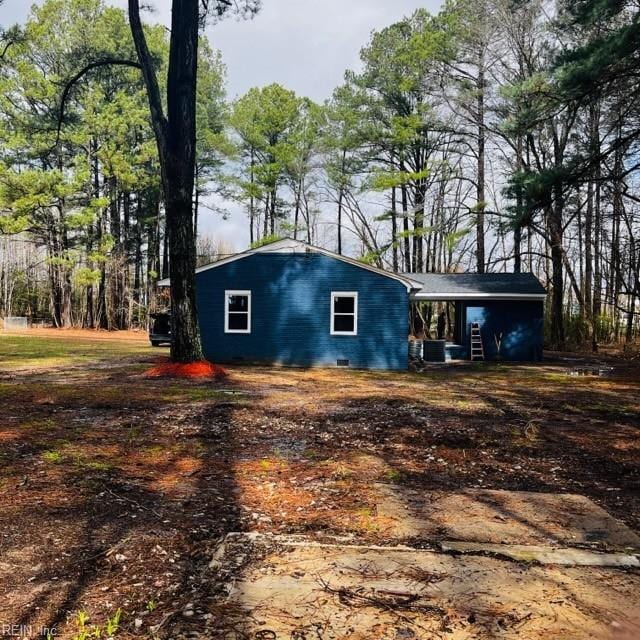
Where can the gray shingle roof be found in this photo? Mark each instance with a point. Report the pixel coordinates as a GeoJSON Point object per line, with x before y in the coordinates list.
{"type": "Point", "coordinates": [483, 284]}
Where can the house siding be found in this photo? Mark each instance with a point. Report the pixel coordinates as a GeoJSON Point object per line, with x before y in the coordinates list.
{"type": "Point", "coordinates": [291, 304]}
{"type": "Point", "coordinates": [520, 322]}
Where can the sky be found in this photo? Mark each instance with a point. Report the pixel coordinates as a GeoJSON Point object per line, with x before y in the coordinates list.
{"type": "Point", "coordinates": [305, 45]}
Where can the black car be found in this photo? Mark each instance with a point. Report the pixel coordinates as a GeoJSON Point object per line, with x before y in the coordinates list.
{"type": "Point", "coordinates": [160, 329]}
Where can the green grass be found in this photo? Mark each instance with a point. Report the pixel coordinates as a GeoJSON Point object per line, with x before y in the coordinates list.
{"type": "Point", "coordinates": [94, 465]}
{"type": "Point", "coordinates": [266, 465]}
{"type": "Point", "coordinates": [123, 356]}
{"type": "Point", "coordinates": [39, 425]}
{"type": "Point", "coordinates": [38, 351]}
{"type": "Point", "coordinates": [52, 457]}
{"type": "Point", "coordinates": [393, 475]}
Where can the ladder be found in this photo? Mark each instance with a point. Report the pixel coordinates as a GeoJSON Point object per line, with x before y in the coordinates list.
{"type": "Point", "coordinates": [477, 350]}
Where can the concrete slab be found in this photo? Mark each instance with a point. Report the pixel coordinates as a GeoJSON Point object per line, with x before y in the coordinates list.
{"type": "Point", "coordinates": [501, 517]}
{"type": "Point", "coordinates": [279, 587]}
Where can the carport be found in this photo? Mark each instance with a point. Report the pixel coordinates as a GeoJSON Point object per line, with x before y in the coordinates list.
{"type": "Point", "coordinates": [503, 311]}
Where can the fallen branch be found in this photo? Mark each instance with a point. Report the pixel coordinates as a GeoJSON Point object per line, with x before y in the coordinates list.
{"type": "Point", "coordinates": [154, 629]}
{"type": "Point", "coordinates": [109, 552]}
{"type": "Point", "coordinates": [398, 601]}
{"type": "Point", "coordinates": [134, 502]}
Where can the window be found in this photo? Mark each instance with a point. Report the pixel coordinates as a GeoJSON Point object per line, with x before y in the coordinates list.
{"type": "Point", "coordinates": [237, 311]}
{"type": "Point", "coordinates": [344, 313]}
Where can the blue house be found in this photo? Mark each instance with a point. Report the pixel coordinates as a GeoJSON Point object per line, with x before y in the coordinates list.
{"type": "Point", "coordinates": [293, 304]}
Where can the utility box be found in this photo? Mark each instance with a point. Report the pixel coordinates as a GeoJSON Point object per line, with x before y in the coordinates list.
{"type": "Point", "coordinates": [434, 350]}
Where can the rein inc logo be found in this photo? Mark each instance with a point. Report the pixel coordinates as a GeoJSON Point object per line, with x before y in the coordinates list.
{"type": "Point", "coordinates": [26, 631]}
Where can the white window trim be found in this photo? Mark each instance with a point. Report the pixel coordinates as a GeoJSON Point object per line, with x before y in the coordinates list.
{"type": "Point", "coordinates": [344, 294]}
{"type": "Point", "coordinates": [234, 292]}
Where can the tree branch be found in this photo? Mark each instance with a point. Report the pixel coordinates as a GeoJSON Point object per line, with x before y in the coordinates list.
{"type": "Point", "coordinates": [70, 83]}
{"type": "Point", "coordinates": [158, 119]}
{"type": "Point", "coordinates": [3, 53]}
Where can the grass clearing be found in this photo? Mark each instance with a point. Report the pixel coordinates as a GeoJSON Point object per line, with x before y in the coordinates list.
{"type": "Point", "coordinates": [24, 352]}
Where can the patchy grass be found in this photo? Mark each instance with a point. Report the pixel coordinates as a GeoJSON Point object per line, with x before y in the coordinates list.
{"type": "Point", "coordinates": [52, 457]}
{"type": "Point", "coordinates": [24, 352]}
{"type": "Point", "coordinates": [393, 475]}
{"type": "Point", "coordinates": [114, 487]}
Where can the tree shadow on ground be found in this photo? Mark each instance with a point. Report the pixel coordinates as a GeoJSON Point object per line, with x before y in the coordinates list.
{"type": "Point", "coordinates": [405, 439]}
{"type": "Point", "coordinates": [160, 478]}
{"type": "Point", "coordinates": [107, 502]}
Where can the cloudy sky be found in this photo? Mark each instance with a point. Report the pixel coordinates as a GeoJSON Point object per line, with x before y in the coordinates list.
{"type": "Point", "coordinates": [305, 45]}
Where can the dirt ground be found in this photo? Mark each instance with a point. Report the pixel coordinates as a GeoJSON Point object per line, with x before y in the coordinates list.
{"type": "Point", "coordinates": [116, 490]}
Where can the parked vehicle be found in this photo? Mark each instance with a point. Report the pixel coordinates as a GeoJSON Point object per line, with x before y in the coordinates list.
{"type": "Point", "coordinates": [160, 329]}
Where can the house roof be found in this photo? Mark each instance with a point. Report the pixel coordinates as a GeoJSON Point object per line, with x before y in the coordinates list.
{"type": "Point", "coordinates": [422, 286]}
{"type": "Point", "coordinates": [291, 246]}
{"type": "Point", "coordinates": [457, 286]}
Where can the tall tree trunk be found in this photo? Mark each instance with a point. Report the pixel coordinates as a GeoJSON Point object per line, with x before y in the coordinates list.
{"type": "Point", "coordinates": [405, 222]}
{"type": "Point", "coordinates": [341, 199]}
{"type": "Point", "coordinates": [431, 240]}
{"type": "Point", "coordinates": [196, 208]}
{"type": "Point", "coordinates": [597, 261]}
{"type": "Point", "coordinates": [617, 213]}
{"type": "Point", "coordinates": [272, 210]}
{"type": "Point", "coordinates": [597, 230]}
{"type": "Point", "coordinates": [64, 270]}
{"type": "Point", "coordinates": [517, 228]}
{"type": "Point", "coordinates": [55, 298]}
{"type": "Point", "coordinates": [93, 231]}
{"type": "Point", "coordinates": [633, 290]}
{"type": "Point", "coordinates": [517, 255]}
{"type": "Point", "coordinates": [153, 250]}
{"type": "Point", "coordinates": [113, 282]}
{"type": "Point", "coordinates": [418, 227]}
{"type": "Point", "coordinates": [125, 277]}
{"type": "Point", "coordinates": [307, 217]}
{"type": "Point", "coordinates": [557, 275]}
{"type": "Point", "coordinates": [634, 286]}
{"type": "Point", "coordinates": [100, 319]}
{"type": "Point", "coordinates": [101, 311]}
{"type": "Point", "coordinates": [114, 211]}
{"type": "Point", "coordinates": [394, 230]}
{"type": "Point", "coordinates": [588, 253]}
{"type": "Point", "coordinates": [252, 210]}
{"type": "Point", "coordinates": [176, 141]}
{"type": "Point", "coordinates": [297, 211]}
{"type": "Point", "coordinates": [580, 252]}
{"type": "Point", "coordinates": [480, 178]}
{"type": "Point", "coordinates": [137, 269]}
{"type": "Point", "coordinates": [265, 222]}
{"type": "Point", "coordinates": [165, 253]}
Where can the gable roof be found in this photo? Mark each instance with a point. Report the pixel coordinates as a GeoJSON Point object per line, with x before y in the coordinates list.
{"type": "Point", "coordinates": [422, 286]}
{"type": "Point", "coordinates": [289, 245]}
{"type": "Point", "coordinates": [456, 286]}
